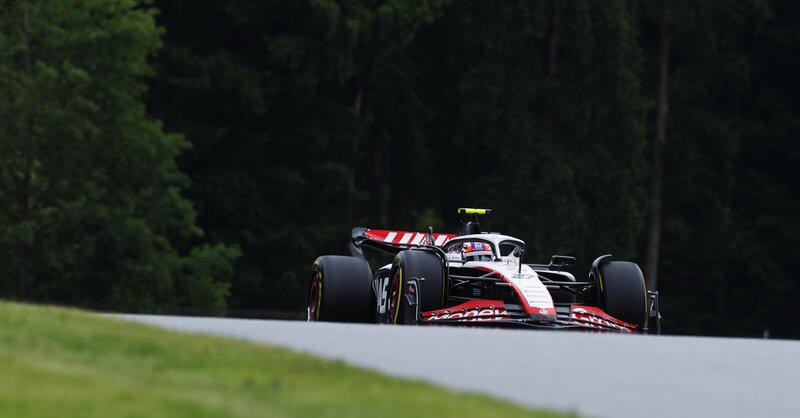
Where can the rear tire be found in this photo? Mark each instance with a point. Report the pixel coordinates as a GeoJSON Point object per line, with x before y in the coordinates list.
{"type": "Point", "coordinates": [340, 290]}
{"type": "Point", "coordinates": [622, 292]}
{"type": "Point", "coordinates": [427, 268]}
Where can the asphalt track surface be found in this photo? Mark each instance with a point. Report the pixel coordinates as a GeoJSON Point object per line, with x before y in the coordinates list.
{"type": "Point", "coordinates": [592, 375]}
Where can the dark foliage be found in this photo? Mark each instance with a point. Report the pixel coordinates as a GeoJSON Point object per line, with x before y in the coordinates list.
{"type": "Point", "coordinates": [299, 119]}
{"type": "Point", "coordinates": [308, 118]}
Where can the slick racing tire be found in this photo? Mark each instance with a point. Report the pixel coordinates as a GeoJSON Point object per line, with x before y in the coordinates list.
{"type": "Point", "coordinates": [622, 291]}
{"type": "Point", "coordinates": [428, 271]}
{"type": "Point", "coordinates": [340, 290]}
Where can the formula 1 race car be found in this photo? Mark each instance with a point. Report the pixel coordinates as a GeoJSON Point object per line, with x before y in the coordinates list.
{"type": "Point", "coordinates": [476, 278]}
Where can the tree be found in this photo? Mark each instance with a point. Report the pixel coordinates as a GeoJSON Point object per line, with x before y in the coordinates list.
{"type": "Point", "coordinates": [310, 117]}
{"type": "Point", "coordinates": [555, 149]}
{"type": "Point", "coordinates": [91, 211]}
{"type": "Point", "coordinates": [298, 111]}
{"type": "Point", "coordinates": [659, 140]}
{"type": "Point", "coordinates": [718, 191]}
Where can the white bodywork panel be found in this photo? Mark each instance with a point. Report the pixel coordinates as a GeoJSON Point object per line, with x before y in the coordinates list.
{"type": "Point", "coordinates": [526, 280]}
{"type": "Point", "coordinates": [381, 288]}
{"type": "Point", "coordinates": [531, 288]}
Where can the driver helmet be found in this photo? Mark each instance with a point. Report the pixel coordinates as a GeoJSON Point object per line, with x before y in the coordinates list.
{"type": "Point", "coordinates": [476, 251]}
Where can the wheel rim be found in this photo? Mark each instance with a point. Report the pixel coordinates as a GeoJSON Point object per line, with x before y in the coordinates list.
{"type": "Point", "coordinates": [314, 298]}
{"type": "Point", "coordinates": [394, 296]}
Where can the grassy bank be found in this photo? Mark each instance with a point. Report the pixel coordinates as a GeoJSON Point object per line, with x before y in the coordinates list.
{"type": "Point", "coordinates": [58, 362]}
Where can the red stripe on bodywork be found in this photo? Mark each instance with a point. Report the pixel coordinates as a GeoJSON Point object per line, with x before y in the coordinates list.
{"type": "Point", "coordinates": [597, 318]}
{"type": "Point", "coordinates": [475, 310]}
{"type": "Point", "coordinates": [422, 237]}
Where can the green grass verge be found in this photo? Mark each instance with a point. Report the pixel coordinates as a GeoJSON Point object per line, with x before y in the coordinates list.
{"type": "Point", "coordinates": [57, 362]}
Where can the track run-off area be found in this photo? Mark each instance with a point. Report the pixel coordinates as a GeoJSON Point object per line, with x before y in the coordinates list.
{"type": "Point", "coordinates": [591, 375]}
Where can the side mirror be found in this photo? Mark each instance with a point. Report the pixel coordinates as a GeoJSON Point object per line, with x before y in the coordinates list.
{"type": "Point", "coordinates": [562, 261]}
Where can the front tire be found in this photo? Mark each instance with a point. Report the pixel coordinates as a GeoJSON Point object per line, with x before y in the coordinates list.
{"type": "Point", "coordinates": [340, 290]}
{"type": "Point", "coordinates": [427, 269]}
{"type": "Point", "coordinates": [622, 292]}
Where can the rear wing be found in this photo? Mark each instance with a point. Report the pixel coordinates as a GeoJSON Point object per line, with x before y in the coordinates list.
{"type": "Point", "coordinates": [392, 242]}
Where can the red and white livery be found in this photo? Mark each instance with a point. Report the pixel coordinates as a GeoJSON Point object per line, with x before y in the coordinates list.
{"type": "Point", "coordinates": [476, 278]}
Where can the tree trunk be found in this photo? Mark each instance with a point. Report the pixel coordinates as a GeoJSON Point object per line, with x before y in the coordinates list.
{"type": "Point", "coordinates": [549, 111]}
{"type": "Point", "coordinates": [23, 250]}
{"type": "Point", "coordinates": [358, 103]}
{"type": "Point", "coordinates": [552, 41]}
{"type": "Point", "coordinates": [385, 188]}
{"type": "Point", "coordinates": [657, 167]}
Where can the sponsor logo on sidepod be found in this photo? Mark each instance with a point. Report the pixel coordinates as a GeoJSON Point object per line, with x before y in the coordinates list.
{"type": "Point", "coordinates": [581, 314]}
{"type": "Point", "coordinates": [470, 315]}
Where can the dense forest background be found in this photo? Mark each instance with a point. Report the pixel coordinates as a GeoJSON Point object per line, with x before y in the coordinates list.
{"type": "Point", "coordinates": [183, 154]}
